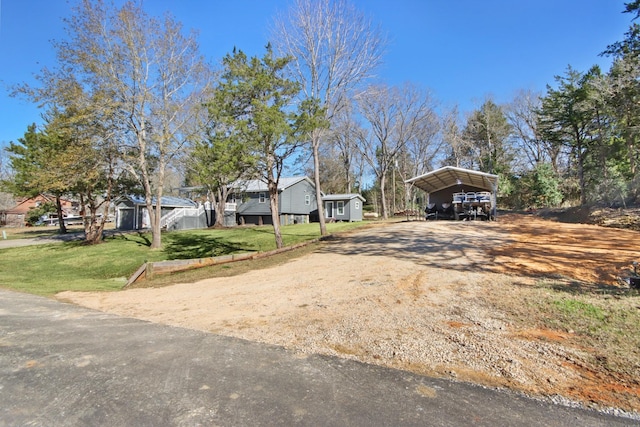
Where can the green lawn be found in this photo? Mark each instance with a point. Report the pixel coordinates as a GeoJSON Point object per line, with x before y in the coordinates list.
{"type": "Point", "coordinates": [51, 268]}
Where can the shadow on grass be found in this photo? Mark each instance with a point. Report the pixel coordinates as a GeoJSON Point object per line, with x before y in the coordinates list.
{"type": "Point", "coordinates": [142, 239]}
{"type": "Point", "coordinates": [187, 246]}
{"type": "Point", "coordinates": [286, 232]}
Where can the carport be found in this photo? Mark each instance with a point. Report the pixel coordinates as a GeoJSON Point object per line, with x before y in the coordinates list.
{"type": "Point", "coordinates": [457, 193]}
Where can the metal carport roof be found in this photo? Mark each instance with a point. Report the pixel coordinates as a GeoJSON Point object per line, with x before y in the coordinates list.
{"type": "Point", "coordinates": [448, 176]}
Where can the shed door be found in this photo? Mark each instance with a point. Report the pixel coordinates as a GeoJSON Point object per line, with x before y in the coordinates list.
{"type": "Point", "coordinates": [125, 219]}
{"type": "Point", "coordinates": [329, 210]}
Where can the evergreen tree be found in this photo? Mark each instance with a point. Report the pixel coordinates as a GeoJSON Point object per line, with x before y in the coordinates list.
{"type": "Point", "coordinates": [222, 155]}
{"type": "Point", "coordinates": [259, 100]}
{"type": "Point", "coordinates": [568, 119]}
{"type": "Point", "coordinates": [622, 91]}
{"type": "Point", "coordinates": [540, 187]}
{"type": "Point", "coordinates": [36, 162]}
{"type": "Point", "coordinates": [488, 131]}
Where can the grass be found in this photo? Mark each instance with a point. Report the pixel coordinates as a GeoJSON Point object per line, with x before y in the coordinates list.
{"type": "Point", "coordinates": [607, 326]}
{"type": "Point", "coordinates": [51, 268]}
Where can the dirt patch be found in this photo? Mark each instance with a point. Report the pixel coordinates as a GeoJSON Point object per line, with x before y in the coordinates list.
{"type": "Point", "coordinates": [586, 253]}
{"type": "Point", "coordinates": [542, 334]}
{"type": "Point", "coordinates": [625, 218]}
{"type": "Point", "coordinates": [452, 299]}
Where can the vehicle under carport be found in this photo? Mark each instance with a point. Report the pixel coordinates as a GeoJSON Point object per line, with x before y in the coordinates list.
{"type": "Point", "coordinates": [457, 193]}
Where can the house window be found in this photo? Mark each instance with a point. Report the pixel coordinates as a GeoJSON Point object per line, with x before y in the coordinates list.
{"type": "Point", "coordinates": [262, 198]}
{"type": "Point", "coordinates": [307, 199]}
{"type": "Point", "coordinates": [340, 207]}
{"type": "Point", "coordinates": [357, 204]}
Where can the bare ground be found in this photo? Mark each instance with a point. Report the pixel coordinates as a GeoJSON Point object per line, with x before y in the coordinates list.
{"type": "Point", "coordinates": [438, 298]}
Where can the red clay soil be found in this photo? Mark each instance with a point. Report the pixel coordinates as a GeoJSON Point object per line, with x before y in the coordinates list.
{"type": "Point", "coordinates": [586, 253]}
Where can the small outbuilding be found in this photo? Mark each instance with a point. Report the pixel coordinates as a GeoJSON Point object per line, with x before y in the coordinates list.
{"type": "Point", "coordinates": [458, 193]}
{"type": "Point", "coordinates": [343, 207]}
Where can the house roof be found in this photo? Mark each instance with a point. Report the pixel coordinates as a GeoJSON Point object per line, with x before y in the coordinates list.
{"type": "Point", "coordinates": [165, 201]}
{"type": "Point", "coordinates": [255, 185]}
{"type": "Point", "coordinates": [449, 176]}
{"type": "Point", "coordinates": [25, 204]}
{"type": "Point", "coordinates": [349, 196]}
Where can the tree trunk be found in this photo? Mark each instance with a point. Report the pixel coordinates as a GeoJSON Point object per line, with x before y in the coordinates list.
{"type": "Point", "coordinates": [92, 227]}
{"type": "Point", "coordinates": [221, 200]}
{"type": "Point", "coordinates": [581, 181]}
{"type": "Point", "coordinates": [154, 217]}
{"type": "Point", "coordinates": [347, 170]}
{"type": "Point", "coordinates": [89, 222]}
{"type": "Point", "coordinates": [156, 232]}
{"type": "Point", "coordinates": [383, 197]}
{"type": "Point", "coordinates": [583, 194]}
{"type": "Point", "coordinates": [631, 152]}
{"type": "Point", "coordinates": [152, 214]}
{"type": "Point", "coordinates": [393, 190]}
{"type": "Point", "coordinates": [62, 228]}
{"type": "Point", "coordinates": [275, 215]}
{"type": "Point", "coordinates": [315, 142]}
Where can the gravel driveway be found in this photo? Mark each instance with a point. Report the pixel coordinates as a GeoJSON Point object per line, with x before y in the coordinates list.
{"type": "Point", "coordinates": [426, 297]}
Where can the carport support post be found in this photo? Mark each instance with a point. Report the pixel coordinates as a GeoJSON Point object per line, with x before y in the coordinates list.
{"type": "Point", "coordinates": [494, 201]}
{"type": "Point", "coordinates": [406, 201]}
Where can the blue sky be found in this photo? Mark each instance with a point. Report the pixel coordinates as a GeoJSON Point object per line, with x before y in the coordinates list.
{"type": "Point", "coordinates": [463, 50]}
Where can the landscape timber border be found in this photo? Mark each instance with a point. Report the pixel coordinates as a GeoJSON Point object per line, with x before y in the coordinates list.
{"type": "Point", "coordinates": [150, 269]}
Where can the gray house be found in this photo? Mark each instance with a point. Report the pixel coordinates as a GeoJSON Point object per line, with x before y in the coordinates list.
{"type": "Point", "coordinates": [343, 207]}
{"type": "Point", "coordinates": [132, 214]}
{"type": "Point", "coordinates": [296, 199]}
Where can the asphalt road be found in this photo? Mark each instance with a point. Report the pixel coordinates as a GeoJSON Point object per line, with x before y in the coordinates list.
{"type": "Point", "coordinates": [63, 365]}
{"type": "Point", "coordinates": [15, 243]}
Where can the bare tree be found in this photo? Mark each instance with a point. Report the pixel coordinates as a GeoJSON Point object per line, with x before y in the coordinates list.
{"type": "Point", "coordinates": [4, 168]}
{"type": "Point", "coordinates": [395, 116]}
{"type": "Point", "coordinates": [6, 199]}
{"type": "Point", "coordinates": [420, 153]}
{"type": "Point", "coordinates": [155, 76]}
{"type": "Point", "coordinates": [459, 150]}
{"type": "Point", "coordinates": [522, 114]}
{"type": "Point", "coordinates": [425, 146]}
{"type": "Point", "coordinates": [335, 47]}
{"type": "Point", "coordinates": [343, 141]}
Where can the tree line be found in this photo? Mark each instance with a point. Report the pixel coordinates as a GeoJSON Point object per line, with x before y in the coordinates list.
{"type": "Point", "coordinates": [575, 144]}
{"type": "Point", "coordinates": [131, 102]}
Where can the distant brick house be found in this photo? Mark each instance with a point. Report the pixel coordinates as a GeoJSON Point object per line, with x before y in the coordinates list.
{"type": "Point", "coordinates": [16, 216]}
